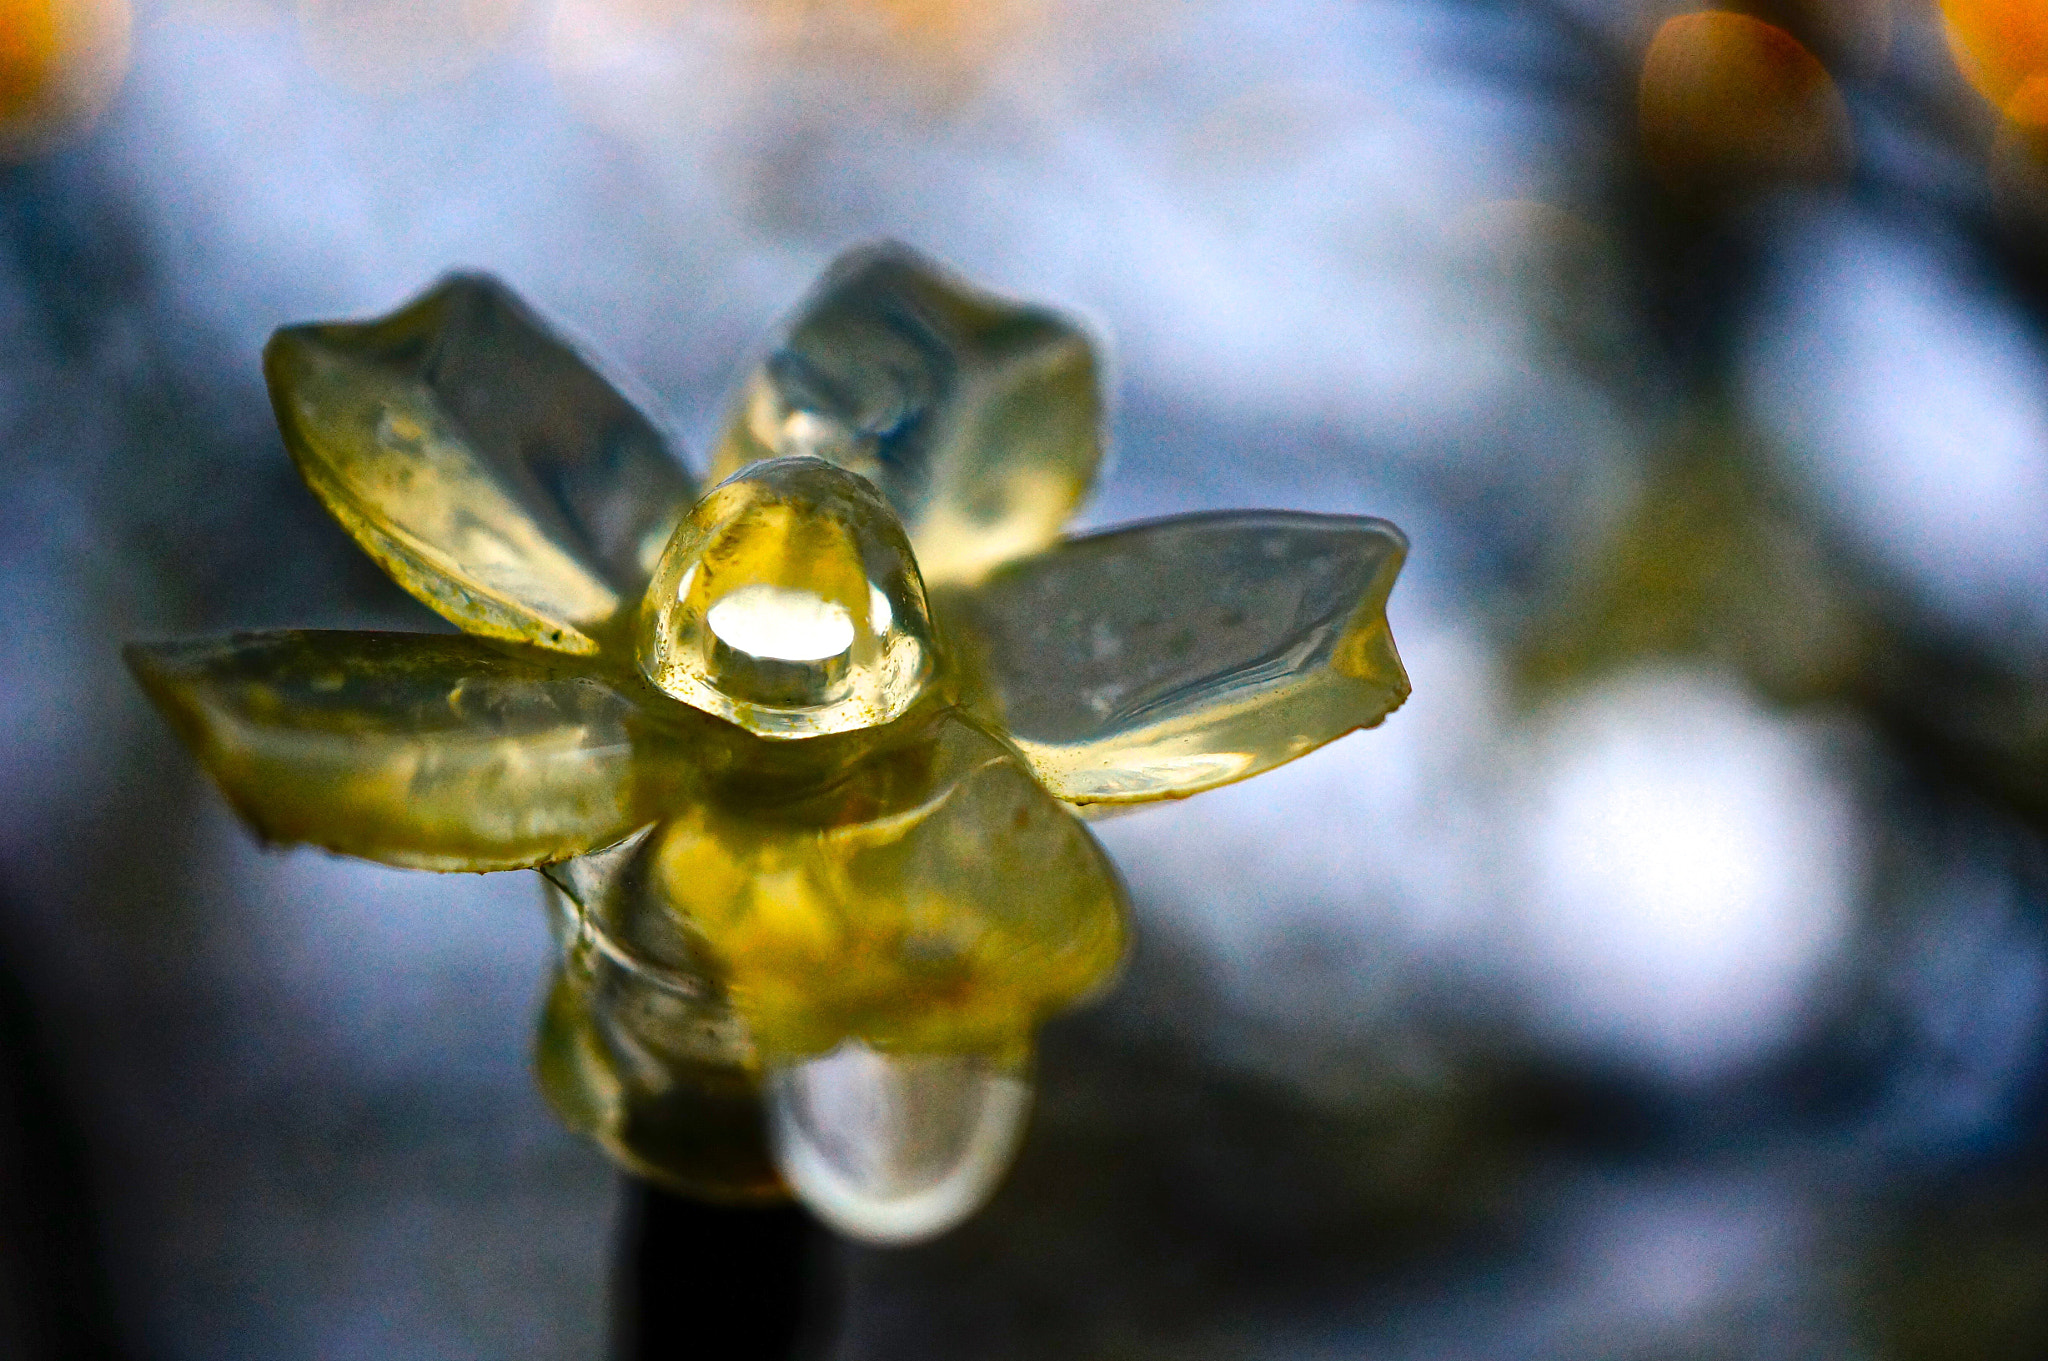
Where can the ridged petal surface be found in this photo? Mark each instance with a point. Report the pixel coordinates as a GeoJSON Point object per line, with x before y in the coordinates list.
{"type": "Point", "coordinates": [482, 462]}
{"type": "Point", "coordinates": [425, 750]}
{"type": "Point", "coordinates": [979, 419]}
{"type": "Point", "coordinates": [1172, 656]}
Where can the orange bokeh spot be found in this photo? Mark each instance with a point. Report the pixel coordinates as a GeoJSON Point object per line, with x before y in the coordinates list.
{"type": "Point", "coordinates": [943, 28]}
{"type": "Point", "coordinates": [633, 65]}
{"type": "Point", "coordinates": [2002, 48]}
{"type": "Point", "coordinates": [60, 62]}
{"type": "Point", "coordinates": [29, 54]}
{"type": "Point", "coordinates": [1727, 99]}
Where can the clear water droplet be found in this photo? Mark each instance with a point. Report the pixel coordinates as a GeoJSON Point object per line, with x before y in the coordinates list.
{"type": "Point", "coordinates": [788, 603]}
{"type": "Point", "coordinates": [896, 1148]}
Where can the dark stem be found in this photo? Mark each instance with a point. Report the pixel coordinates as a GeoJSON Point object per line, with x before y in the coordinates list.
{"type": "Point", "coordinates": [703, 1280]}
{"type": "Point", "coordinates": [55, 1304]}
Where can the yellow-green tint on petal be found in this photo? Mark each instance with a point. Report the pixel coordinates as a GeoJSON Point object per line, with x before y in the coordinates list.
{"type": "Point", "coordinates": [423, 750]}
{"type": "Point", "coordinates": [979, 420]}
{"type": "Point", "coordinates": [937, 900]}
{"type": "Point", "coordinates": [655, 1067]}
{"type": "Point", "coordinates": [788, 602]}
{"type": "Point", "coordinates": [1169, 657]}
{"type": "Point", "coordinates": [482, 462]}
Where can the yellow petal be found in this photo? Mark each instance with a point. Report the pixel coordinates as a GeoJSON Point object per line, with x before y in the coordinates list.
{"type": "Point", "coordinates": [978, 419]}
{"type": "Point", "coordinates": [1168, 657]}
{"type": "Point", "coordinates": [481, 462]}
{"type": "Point", "coordinates": [788, 603]}
{"type": "Point", "coordinates": [936, 900]}
{"type": "Point", "coordinates": [425, 750]}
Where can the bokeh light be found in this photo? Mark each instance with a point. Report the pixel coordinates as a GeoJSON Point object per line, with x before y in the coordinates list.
{"type": "Point", "coordinates": [2002, 48]}
{"type": "Point", "coordinates": [1691, 863]}
{"type": "Point", "coordinates": [638, 66]}
{"type": "Point", "coordinates": [60, 63]}
{"type": "Point", "coordinates": [1905, 395]}
{"type": "Point", "coordinates": [1726, 99]}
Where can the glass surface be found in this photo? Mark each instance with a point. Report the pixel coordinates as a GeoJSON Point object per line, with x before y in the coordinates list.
{"type": "Point", "coordinates": [430, 751]}
{"type": "Point", "coordinates": [647, 1058]}
{"type": "Point", "coordinates": [896, 1148]}
{"type": "Point", "coordinates": [933, 899]}
{"type": "Point", "coordinates": [1168, 657]}
{"type": "Point", "coordinates": [482, 462]}
{"type": "Point", "coordinates": [979, 420]}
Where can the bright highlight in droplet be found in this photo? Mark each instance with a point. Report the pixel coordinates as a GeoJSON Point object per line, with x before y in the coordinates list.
{"type": "Point", "coordinates": [782, 624]}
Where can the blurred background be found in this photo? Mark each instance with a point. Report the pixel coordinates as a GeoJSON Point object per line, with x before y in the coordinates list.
{"type": "Point", "coordinates": [1668, 980]}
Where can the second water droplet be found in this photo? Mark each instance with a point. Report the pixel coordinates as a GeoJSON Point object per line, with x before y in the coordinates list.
{"type": "Point", "coordinates": [896, 1148]}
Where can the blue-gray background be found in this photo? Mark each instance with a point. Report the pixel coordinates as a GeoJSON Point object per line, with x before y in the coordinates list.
{"type": "Point", "coordinates": [1635, 1006]}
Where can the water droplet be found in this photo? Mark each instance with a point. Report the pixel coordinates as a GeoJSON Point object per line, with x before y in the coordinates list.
{"type": "Point", "coordinates": [788, 603]}
{"type": "Point", "coordinates": [896, 1148]}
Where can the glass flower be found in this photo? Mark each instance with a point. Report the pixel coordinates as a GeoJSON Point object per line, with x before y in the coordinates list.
{"type": "Point", "coordinates": [800, 757]}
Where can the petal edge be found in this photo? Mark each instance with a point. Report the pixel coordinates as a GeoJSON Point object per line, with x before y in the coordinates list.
{"type": "Point", "coordinates": [427, 751]}
{"type": "Point", "coordinates": [1171, 656]}
{"type": "Point", "coordinates": [978, 418]}
{"type": "Point", "coordinates": [481, 461]}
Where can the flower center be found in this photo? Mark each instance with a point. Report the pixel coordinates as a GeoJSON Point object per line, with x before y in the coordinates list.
{"type": "Point", "coordinates": [788, 602]}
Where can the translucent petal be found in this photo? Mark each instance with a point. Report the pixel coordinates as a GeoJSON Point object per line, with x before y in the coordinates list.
{"type": "Point", "coordinates": [979, 420]}
{"type": "Point", "coordinates": [648, 1060]}
{"type": "Point", "coordinates": [482, 462]}
{"type": "Point", "coordinates": [432, 751]}
{"type": "Point", "coordinates": [1165, 658]}
{"type": "Point", "coordinates": [788, 603]}
{"type": "Point", "coordinates": [896, 1148]}
{"type": "Point", "coordinates": [935, 899]}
